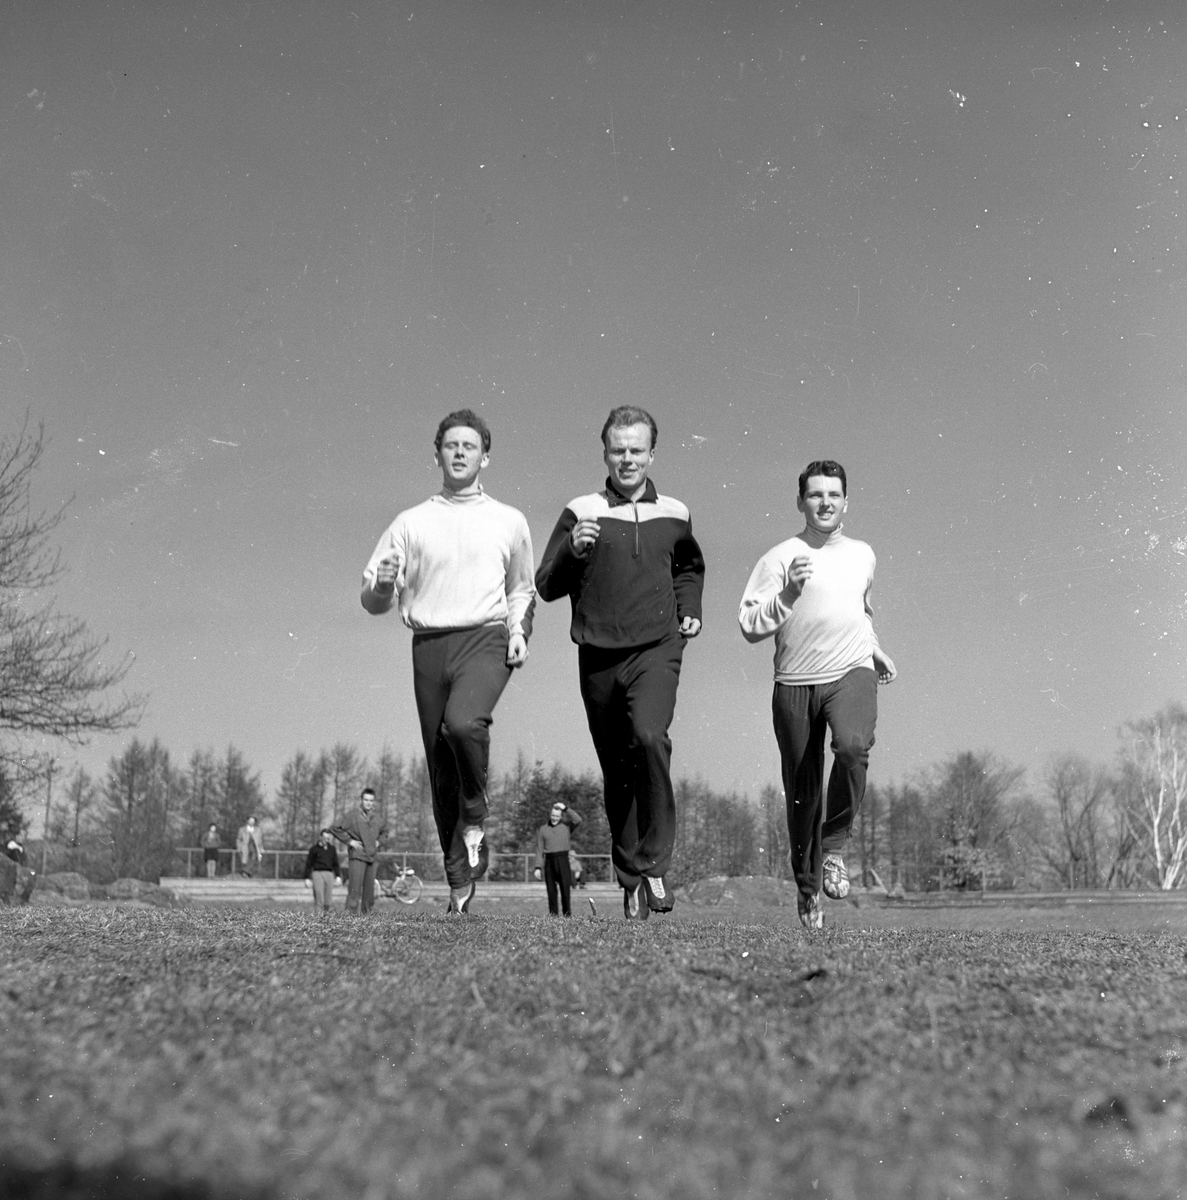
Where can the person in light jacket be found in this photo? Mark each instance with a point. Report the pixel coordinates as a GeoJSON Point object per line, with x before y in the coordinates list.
{"type": "Point", "coordinates": [249, 845]}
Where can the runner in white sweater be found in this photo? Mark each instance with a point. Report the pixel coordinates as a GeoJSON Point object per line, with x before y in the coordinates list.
{"type": "Point", "coordinates": [812, 593]}
{"type": "Point", "coordinates": [460, 568]}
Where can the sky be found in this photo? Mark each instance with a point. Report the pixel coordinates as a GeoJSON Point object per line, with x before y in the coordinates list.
{"type": "Point", "coordinates": [250, 254]}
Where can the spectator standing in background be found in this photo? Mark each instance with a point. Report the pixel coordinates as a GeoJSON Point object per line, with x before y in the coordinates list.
{"type": "Point", "coordinates": [552, 854]}
{"type": "Point", "coordinates": [322, 870]}
{"type": "Point", "coordinates": [361, 832]}
{"type": "Point", "coordinates": [249, 845]}
{"type": "Point", "coordinates": [210, 841]}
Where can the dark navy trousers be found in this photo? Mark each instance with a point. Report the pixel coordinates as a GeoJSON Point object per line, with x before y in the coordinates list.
{"type": "Point", "coordinates": [458, 676]}
{"type": "Point", "coordinates": [849, 707]}
{"type": "Point", "coordinates": [630, 699]}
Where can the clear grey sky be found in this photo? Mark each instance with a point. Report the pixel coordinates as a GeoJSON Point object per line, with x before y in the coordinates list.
{"type": "Point", "coordinates": [251, 252]}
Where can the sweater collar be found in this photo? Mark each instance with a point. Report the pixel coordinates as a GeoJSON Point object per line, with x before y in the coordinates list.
{"type": "Point", "coordinates": [615, 498]}
{"type": "Point", "coordinates": [816, 539]}
{"type": "Point", "coordinates": [468, 498]}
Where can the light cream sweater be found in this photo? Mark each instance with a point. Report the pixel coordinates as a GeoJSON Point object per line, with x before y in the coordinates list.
{"type": "Point", "coordinates": [465, 561]}
{"type": "Point", "coordinates": [827, 630]}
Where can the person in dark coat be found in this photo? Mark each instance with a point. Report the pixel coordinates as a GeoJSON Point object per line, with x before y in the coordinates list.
{"type": "Point", "coordinates": [323, 870]}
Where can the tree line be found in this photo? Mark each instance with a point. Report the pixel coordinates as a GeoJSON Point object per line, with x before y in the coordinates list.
{"type": "Point", "coordinates": [973, 821]}
{"type": "Point", "coordinates": [967, 822]}
{"type": "Point", "coordinates": [148, 805]}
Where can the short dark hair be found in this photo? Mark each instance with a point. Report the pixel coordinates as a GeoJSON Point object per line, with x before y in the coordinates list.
{"type": "Point", "coordinates": [464, 417]}
{"type": "Point", "coordinates": [628, 414]}
{"type": "Point", "coordinates": [367, 791]}
{"type": "Point", "coordinates": [824, 466]}
{"type": "Point", "coordinates": [326, 830]}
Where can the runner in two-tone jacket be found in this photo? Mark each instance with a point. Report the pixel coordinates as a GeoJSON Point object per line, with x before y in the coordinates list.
{"type": "Point", "coordinates": [633, 572]}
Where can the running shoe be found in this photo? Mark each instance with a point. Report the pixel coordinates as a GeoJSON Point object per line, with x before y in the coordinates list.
{"type": "Point", "coordinates": [836, 878]}
{"type": "Point", "coordinates": [473, 838]}
{"type": "Point", "coordinates": [634, 907]}
{"type": "Point", "coordinates": [659, 898]}
{"type": "Point", "coordinates": [483, 862]}
{"type": "Point", "coordinates": [459, 898]}
{"type": "Point", "coordinates": [811, 911]}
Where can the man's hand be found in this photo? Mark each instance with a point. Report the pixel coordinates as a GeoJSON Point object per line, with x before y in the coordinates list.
{"type": "Point", "coordinates": [309, 883]}
{"type": "Point", "coordinates": [537, 872]}
{"type": "Point", "coordinates": [797, 576]}
{"type": "Point", "coordinates": [690, 627]}
{"type": "Point", "coordinates": [386, 573]}
{"type": "Point", "coordinates": [885, 667]}
{"type": "Point", "coordinates": [355, 844]}
{"type": "Point", "coordinates": [517, 650]}
{"type": "Point", "coordinates": [583, 535]}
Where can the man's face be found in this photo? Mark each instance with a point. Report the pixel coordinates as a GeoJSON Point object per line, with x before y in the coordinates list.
{"type": "Point", "coordinates": [823, 503]}
{"type": "Point", "coordinates": [367, 803]}
{"type": "Point", "coordinates": [554, 815]}
{"type": "Point", "coordinates": [461, 457]}
{"type": "Point", "coordinates": [628, 455]}
{"type": "Point", "coordinates": [326, 837]}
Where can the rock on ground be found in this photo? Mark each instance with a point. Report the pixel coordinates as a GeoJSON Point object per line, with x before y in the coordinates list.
{"type": "Point", "coordinates": [67, 883]}
{"type": "Point", "coordinates": [138, 889]}
{"type": "Point", "coordinates": [48, 898]}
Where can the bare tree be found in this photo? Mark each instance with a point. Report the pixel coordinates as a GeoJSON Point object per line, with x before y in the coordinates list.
{"type": "Point", "coordinates": [774, 838]}
{"type": "Point", "coordinates": [717, 833]}
{"type": "Point", "coordinates": [345, 772]}
{"type": "Point", "coordinates": [301, 799]}
{"type": "Point", "coordinates": [911, 839]}
{"type": "Point", "coordinates": [202, 795]}
{"type": "Point", "coordinates": [1086, 844]}
{"type": "Point", "coordinates": [870, 823]}
{"type": "Point", "coordinates": [969, 800]}
{"type": "Point", "coordinates": [75, 818]}
{"type": "Point", "coordinates": [12, 819]}
{"type": "Point", "coordinates": [1154, 770]}
{"type": "Point", "coordinates": [144, 794]}
{"type": "Point", "coordinates": [387, 778]}
{"type": "Point", "coordinates": [53, 678]}
{"type": "Point", "coordinates": [241, 794]}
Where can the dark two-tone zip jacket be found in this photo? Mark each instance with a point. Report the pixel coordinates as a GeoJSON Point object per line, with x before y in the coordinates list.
{"type": "Point", "coordinates": [643, 575]}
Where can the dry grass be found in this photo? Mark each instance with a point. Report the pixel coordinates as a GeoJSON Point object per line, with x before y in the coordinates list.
{"type": "Point", "coordinates": [246, 1052]}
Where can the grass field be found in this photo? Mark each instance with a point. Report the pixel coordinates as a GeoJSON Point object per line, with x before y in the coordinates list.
{"type": "Point", "coordinates": [912, 1053]}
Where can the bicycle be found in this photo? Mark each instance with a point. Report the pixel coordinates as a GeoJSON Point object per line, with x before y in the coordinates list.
{"type": "Point", "coordinates": [405, 886]}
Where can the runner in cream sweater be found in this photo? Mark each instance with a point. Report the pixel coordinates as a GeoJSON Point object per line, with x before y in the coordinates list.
{"type": "Point", "coordinates": [459, 568]}
{"type": "Point", "coordinates": [812, 594]}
